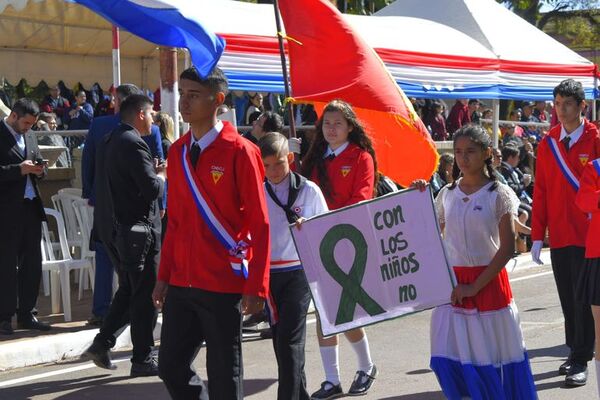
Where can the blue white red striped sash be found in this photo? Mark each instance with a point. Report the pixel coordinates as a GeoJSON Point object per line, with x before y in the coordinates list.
{"type": "Point", "coordinates": [596, 164]}
{"type": "Point", "coordinates": [562, 163]}
{"type": "Point", "coordinates": [240, 251]}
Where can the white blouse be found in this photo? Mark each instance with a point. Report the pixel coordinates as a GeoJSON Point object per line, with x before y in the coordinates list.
{"type": "Point", "coordinates": [471, 233]}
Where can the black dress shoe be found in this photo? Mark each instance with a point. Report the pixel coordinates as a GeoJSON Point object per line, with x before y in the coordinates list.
{"type": "Point", "coordinates": [362, 382]}
{"type": "Point", "coordinates": [100, 356]}
{"type": "Point", "coordinates": [32, 323]}
{"type": "Point", "coordinates": [147, 368]}
{"type": "Point", "coordinates": [565, 367]}
{"type": "Point", "coordinates": [95, 320]}
{"type": "Point", "coordinates": [577, 375]}
{"type": "Point", "coordinates": [6, 328]}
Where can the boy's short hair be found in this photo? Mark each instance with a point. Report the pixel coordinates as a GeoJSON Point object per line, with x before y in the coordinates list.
{"type": "Point", "coordinates": [570, 88]}
{"type": "Point", "coordinates": [273, 144]}
{"type": "Point", "coordinates": [215, 81]}
{"type": "Point", "coordinates": [132, 105]}
{"type": "Point", "coordinates": [509, 151]}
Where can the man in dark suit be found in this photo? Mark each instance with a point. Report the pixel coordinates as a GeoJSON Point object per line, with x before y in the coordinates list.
{"type": "Point", "coordinates": [100, 127]}
{"type": "Point", "coordinates": [21, 214]}
{"type": "Point", "coordinates": [126, 218]}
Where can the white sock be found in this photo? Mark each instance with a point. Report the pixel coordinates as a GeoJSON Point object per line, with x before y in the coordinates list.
{"type": "Point", "coordinates": [363, 354]}
{"type": "Point", "coordinates": [330, 359]}
{"type": "Point", "coordinates": [598, 376]}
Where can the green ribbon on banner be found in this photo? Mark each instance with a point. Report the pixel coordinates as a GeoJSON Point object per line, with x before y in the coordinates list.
{"type": "Point", "coordinates": [352, 291]}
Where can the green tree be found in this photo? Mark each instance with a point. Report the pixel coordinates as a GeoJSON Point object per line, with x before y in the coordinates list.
{"type": "Point", "coordinates": [530, 9]}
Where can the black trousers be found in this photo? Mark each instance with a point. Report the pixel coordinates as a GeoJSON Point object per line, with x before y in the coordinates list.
{"type": "Point", "coordinates": [290, 293]}
{"type": "Point", "coordinates": [132, 305]}
{"type": "Point", "coordinates": [567, 265]}
{"type": "Point", "coordinates": [191, 316]}
{"type": "Point", "coordinates": [20, 261]}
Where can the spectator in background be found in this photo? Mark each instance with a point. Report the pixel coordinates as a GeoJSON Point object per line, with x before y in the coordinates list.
{"type": "Point", "coordinates": [509, 135]}
{"type": "Point", "coordinates": [80, 114]}
{"type": "Point", "coordinates": [474, 112]}
{"type": "Point", "coordinates": [529, 117]}
{"type": "Point", "coordinates": [540, 112]}
{"type": "Point", "coordinates": [443, 175]}
{"type": "Point", "coordinates": [496, 162]}
{"type": "Point", "coordinates": [266, 122]}
{"type": "Point", "coordinates": [437, 123]}
{"type": "Point", "coordinates": [516, 115]}
{"type": "Point", "coordinates": [47, 122]}
{"type": "Point", "coordinates": [166, 126]}
{"type": "Point", "coordinates": [254, 105]}
{"type": "Point", "coordinates": [459, 116]}
{"type": "Point", "coordinates": [106, 106]}
{"type": "Point", "coordinates": [55, 103]}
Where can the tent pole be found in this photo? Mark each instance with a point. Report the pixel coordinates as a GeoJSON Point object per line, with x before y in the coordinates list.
{"type": "Point", "coordinates": [116, 59]}
{"type": "Point", "coordinates": [169, 97]}
{"type": "Point", "coordinates": [286, 80]}
{"type": "Point", "coordinates": [495, 123]}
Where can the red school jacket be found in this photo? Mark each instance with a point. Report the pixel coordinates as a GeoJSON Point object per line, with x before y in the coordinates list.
{"type": "Point", "coordinates": [588, 201]}
{"type": "Point", "coordinates": [351, 177]}
{"type": "Point", "coordinates": [554, 198]}
{"type": "Point", "coordinates": [232, 173]}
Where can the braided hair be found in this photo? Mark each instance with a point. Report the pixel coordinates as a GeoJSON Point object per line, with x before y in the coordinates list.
{"type": "Point", "coordinates": [478, 135]}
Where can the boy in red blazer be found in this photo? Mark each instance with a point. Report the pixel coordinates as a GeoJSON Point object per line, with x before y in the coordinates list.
{"type": "Point", "coordinates": [215, 257]}
{"type": "Point", "coordinates": [562, 156]}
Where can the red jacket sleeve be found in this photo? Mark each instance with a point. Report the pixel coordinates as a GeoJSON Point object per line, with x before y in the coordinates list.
{"type": "Point", "coordinates": [250, 176]}
{"type": "Point", "coordinates": [363, 185]}
{"type": "Point", "coordinates": [588, 196]}
{"type": "Point", "coordinates": [539, 220]}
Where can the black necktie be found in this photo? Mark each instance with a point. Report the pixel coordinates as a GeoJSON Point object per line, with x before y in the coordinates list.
{"type": "Point", "coordinates": [566, 142]}
{"type": "Point", "coordinates": [195, 153]}
{"type": "Point", "coordinates": [330, 157]}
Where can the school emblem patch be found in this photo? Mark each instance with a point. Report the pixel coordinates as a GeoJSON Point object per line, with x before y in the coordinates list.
{"type": "Point", "coordinates": [345, 170]}
{"type": "Point", "coordinates": [216, 173]}
{"type": "Point", "coordinates": [583, 158]}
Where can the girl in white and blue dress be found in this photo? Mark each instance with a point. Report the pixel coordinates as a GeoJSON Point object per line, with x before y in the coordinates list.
{"type": "Point", "coordinates": [477, 348]}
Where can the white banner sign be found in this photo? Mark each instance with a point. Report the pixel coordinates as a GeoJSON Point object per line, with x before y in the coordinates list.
{"type": "Point", "coordinates": [374, 261]}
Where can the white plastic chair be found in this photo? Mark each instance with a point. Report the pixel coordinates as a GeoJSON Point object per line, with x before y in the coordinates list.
{"type": "Point", "coordinates": [59, 268]}
{"type": "Point", "coordinates": [74, 191]}
{"type": "Point", "coordinates": [63, 203]}
{"type": "Point", "coordinates": [85, 217]}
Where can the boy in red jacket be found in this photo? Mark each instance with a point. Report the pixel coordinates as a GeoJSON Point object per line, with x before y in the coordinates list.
{"type": "Point", "coordinates": [562, 155]}
{"type": "Point", "coordinates": [215, 257]}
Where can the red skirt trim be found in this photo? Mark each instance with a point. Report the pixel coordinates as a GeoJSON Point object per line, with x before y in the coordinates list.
{"type": "Point", "coordinates": [495, 295]}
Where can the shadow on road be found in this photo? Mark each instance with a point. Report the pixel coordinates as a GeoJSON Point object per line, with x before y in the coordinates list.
{"type": "Point", "coordinates": [559, 351]}
{"type": "Point", "coordinates": [418, 396]}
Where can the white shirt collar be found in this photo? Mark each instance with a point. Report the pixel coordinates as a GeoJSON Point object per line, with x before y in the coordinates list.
{"type": "Point", "coordinates": [208, 137]}
{"type": "Point", "coordinates": [337, 151]}
{"type": "Point", "coordinates": [575, 135]}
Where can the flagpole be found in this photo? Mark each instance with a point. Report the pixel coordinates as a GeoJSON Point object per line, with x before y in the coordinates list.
{"type": "Point", "coordinates": [116, 59]}
{"type": "Point", "coordinates": [286, 81]}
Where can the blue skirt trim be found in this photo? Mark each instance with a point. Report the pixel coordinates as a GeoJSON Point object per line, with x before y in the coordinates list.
{"type": "Point", "coordinates": [512, 381]}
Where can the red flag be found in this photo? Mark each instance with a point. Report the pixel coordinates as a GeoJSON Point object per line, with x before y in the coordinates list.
{"type": "Point", "coordinates": [328, 61]}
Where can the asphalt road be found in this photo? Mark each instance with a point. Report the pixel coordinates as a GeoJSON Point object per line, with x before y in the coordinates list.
{"type": "Point", "coordinates": [400, 348]}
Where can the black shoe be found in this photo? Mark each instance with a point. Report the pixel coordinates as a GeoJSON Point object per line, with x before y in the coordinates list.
{"type": "Point", "coordinates": [565, 367]}
{"type": "Point", "coordinates": [267, 334]}
{"type": "Point", "coordinates": [6, 328]}
{"type": "Point", "coordinates": [254, 319]}
{"type": "Point", "coordinates": [100, 356]}
{"type": "Point", "coordinates": [95, 320]}
{"type": "Point", "coordinates": [147, 368]}
{"type": "Point", "coordinates": [32, 323]}
{"type": "Point", "coordinates": [362, 382]}
{"type": "Point", "coordinates": [577, 375]}
{"type": "Point", "coordinates": [328, 391]}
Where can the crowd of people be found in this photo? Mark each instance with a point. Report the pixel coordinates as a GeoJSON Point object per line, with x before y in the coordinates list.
{"type": "Point", "coordinates": [197, 228]}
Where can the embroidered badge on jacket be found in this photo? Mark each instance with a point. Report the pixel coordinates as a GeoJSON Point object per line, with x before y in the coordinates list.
{"type": "Point", "coordinates": [345, 170]}
{"type": "Point", "coordinates": [583, 159]}
{"type": "Point", "coordinates": [216, 173]}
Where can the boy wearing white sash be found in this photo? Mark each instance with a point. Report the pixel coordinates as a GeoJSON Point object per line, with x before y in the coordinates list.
{"type": "Point", "coordinates": [562, 156]}
{"type": "Point", "coordinates": [215, 256]}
